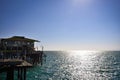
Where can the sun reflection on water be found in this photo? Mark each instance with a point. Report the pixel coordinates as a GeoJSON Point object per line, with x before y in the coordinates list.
{"type": "Point", "coordinates": [79, 65]}
{"type": "Point", "coordinates": [83, 64]}
{"type": "Point", "coordinates": [82, 55]}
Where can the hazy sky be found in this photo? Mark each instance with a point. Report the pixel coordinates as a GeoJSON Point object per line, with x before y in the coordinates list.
{"type": "Point", "coordinates": [63, 24]}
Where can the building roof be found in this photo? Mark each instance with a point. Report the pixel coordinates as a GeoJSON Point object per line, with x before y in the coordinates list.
{"type": "Point", "coordinates": [21, 38]}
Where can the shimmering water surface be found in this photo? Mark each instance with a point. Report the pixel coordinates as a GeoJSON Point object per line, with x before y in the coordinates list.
{"type": "Point", "coordinates": [78, 65]}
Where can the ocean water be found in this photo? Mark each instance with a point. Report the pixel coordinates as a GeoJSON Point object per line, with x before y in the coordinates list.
{"type": "Point", "coordinates": [77, 65]}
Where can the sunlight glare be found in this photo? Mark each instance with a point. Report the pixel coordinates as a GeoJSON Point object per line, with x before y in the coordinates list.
{"type": "Point", "coordinates": [82, 54]}
{"type": "Point", "coordinates": [81, 2]}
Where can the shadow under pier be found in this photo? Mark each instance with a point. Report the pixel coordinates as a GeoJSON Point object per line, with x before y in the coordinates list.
{"type": "Point", "coordinates": [11, 65]}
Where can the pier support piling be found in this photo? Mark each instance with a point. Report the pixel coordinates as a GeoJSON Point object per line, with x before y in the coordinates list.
{"type": "Point", "coordinates": [24, 73]}
{"type": "Point", "coordinates": [10, 73]}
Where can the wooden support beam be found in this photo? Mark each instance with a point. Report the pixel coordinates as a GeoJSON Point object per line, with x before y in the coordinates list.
{"type": "Point", "coordinates": [24, 73]}
{"type": "Point", "coordinates": [10, 73]}
{"type": "Point", "coordinates": [21, 74]}
{"type": "Point", "coordinates": [18, 73]}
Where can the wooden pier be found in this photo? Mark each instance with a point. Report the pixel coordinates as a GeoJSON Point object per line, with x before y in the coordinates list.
{"type": "Point", "coordinates": [20, 65]}
{"type": "Point", "coordinates": [17, 53]}
{"type": "Point", "coordinates": [11, 65]}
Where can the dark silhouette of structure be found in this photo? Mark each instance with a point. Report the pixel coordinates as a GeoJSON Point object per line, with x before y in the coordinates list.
{"type": "Point", "coordinates": [18, 53]}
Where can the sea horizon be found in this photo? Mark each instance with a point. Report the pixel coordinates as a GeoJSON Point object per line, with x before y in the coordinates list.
{"type": "Point", "coordinates": [75, 65]}
{"type": "Point", "coordinates": [81, 50]}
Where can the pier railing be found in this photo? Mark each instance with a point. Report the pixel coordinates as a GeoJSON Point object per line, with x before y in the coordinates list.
{"type": "Point", "coordinates": [34, 57]}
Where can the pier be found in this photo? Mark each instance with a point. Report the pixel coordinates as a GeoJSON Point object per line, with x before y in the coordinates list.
{"type": "Point", "coordinates": [18, 54]}
{"type": "Point", "coordinates": [10, 65]}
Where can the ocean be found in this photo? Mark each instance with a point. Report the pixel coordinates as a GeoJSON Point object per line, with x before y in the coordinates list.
{"type": "Point", "coordinates": [77, 65]}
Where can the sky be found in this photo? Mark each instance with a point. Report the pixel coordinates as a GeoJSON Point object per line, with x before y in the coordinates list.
{"type": "Point", "coordinates": [63, 24]}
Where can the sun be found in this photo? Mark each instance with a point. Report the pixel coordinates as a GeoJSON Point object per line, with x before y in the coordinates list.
{"type": "Point", "coordinates": [81, 2]}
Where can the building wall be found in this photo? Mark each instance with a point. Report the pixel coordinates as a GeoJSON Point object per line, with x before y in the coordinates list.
{"type": "Point", "coordinates": [10, 43]}
{"type": "Point", "coordinates": [16, 46]}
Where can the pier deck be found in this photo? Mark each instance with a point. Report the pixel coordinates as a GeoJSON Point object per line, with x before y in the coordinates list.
{"type": "Point", "coordinates": [10, 62]}
{"type": "Point", "coordinates": [10, 65]}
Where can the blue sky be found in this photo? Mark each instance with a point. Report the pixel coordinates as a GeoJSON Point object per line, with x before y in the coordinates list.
{"type": "Point", "coordinates": [63, 24]}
